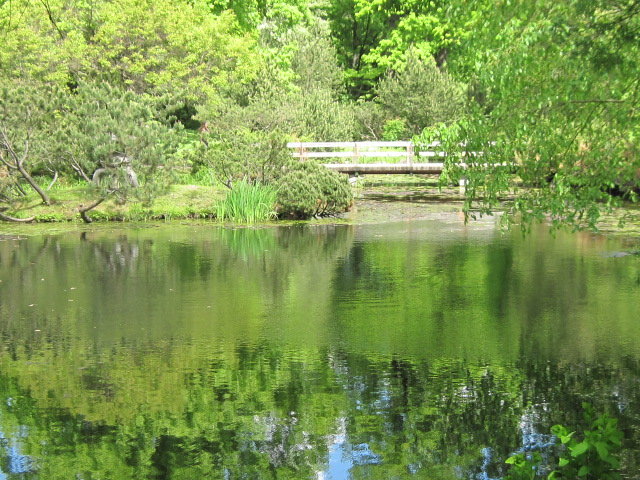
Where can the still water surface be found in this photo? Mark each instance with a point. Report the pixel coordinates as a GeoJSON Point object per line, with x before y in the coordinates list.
{"type": "Point", "coordinates": [424, 350]}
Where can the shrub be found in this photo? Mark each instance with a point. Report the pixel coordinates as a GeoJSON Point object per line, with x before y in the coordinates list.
{"type": "Point", "coordinates": [242, 155]}
{"type": "Point", "coordinates": [594, 456]}
{"type": "Point", "coordinates": [395, 129]}
{"type": "Point", "coordinates": [311, 190]}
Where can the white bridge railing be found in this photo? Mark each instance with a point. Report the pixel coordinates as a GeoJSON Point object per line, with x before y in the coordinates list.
{"type": "Point", "coordinates": [357, 150]}
{"type": "Point", "coordinates": [356, 158]}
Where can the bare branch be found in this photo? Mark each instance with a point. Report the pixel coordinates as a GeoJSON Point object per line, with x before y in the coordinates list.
{"type": "Point", "coordinates": [83, 210]}
{"type": "Point", "coordinates": [55, 178]}
{"type": "Point", "coordinates": [6, 163]}
{"type": "Point", "coordinates": [78, 169]}
{"type": "Point", "coordinates": [25, 153]}
{"type": "Point", "coordinates": [8, 218]}
{"type": "Point", "coordinates": [47, 8]}
{"type": "Point", "coordinates": [6, 142]}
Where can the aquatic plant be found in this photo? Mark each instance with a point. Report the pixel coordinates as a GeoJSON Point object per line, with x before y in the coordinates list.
{"type": "Point", "coordinates": [592, 455]}
{"type": "Point", "coordinates": [248, 203]}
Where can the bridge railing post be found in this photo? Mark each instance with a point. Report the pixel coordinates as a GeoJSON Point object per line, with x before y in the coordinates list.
{"type": "Point", "coordinates": [356, 153]}
{"type": "Point", "coordinates": [410, 153]}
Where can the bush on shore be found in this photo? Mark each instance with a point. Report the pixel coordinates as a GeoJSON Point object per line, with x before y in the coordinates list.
{"type": "Point", "coordinates": [310, 190]}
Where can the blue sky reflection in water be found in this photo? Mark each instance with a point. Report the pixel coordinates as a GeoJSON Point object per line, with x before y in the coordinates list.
{"type": "Point", "coordinates": [424, 349]}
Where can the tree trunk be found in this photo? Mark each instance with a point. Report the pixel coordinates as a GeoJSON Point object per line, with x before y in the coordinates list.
{"type": "Point", "coordinates": [55, 179]}
{"type": "Point", "coordinates": [80, 171]}
{"type": "Point", "coordinates": [83, 210]}
{"type": "Point", "coordinates": [19, 166]}
{"type": "Point", "coordinates": [43, 195]}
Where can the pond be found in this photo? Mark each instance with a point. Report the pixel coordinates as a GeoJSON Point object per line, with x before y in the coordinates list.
{"type": "Point", "coordinates": [424, 349]}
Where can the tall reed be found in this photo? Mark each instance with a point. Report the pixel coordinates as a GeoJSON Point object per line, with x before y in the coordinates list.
{"type": "Point", "coordinates": [248, 203]}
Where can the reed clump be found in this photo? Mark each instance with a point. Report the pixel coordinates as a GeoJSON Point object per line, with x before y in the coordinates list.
{"type": "Point", "coordinates": [248, 203]}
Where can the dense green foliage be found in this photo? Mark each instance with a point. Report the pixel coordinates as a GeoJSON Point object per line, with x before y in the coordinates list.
{"type": "Point", "coordinates": [552, 87]}
{"type": "Point", "coordinates": [376, 37]}
{"type": "Point", "coordinates": [26, 114]}
{"type": "Point", "coordinates": [595, 455]}
{"type": "Point", "coordinates": [109, 137]}
{"type": "Point", "coordinates": [115, 135]}
{"type": "Point", "coordinates": [175, 51]}
{"type": "Point", "coordinates": [308, 189]}
{"type": "Point", "coordinates": [421, 95]}
{"type": "Point", "coordinates": [240, 154]}
{"type": "Point", "coordinates": [555, 85]}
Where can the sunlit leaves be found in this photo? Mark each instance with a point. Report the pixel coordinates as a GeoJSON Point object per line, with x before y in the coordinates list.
{"type": "Point", "coordinates": [565, 123]}
{"type": "Point", "coordinates": [157, 47]}
{"type": "Point", "coordinates": [374, 37]}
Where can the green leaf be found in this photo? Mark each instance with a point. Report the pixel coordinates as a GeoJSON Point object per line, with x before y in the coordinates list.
{"type": "Point", "coordinates": [584, 470]}
{"type": "Point", "coordinates": [613, 461]}
{"type": "Point", "coordinates": [602, 449]}
{"type": "Point", "coordinates": [562, 433]}
{"type": "Point", "coordinates": [579, 449]}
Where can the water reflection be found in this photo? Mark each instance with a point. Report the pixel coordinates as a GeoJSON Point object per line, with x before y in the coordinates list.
{"type": "Point", "coordinates": [418, 350]}
{"type": "Point", "coordinates": [14, 462]}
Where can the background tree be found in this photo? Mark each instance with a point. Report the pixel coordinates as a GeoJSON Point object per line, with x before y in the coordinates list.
{"type": "Point", "coordinates": [26, 115]}
{"type": "Point", "coordinates": [178, 52]}
{"type": "Point", "coordinates": [421, 95]}
{"type": "Point", "coordinates": [113, 138]}
{"type": "Point", "coordinates": [560, 98]}
{"type": "Point", "coordinates": [374, 37]}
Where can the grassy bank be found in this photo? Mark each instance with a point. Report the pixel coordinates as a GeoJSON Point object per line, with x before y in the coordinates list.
{"type": "Point", "coordinates": [182, 201]}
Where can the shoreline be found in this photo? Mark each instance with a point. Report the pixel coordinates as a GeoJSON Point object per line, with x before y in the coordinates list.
{"type": "Point", "coordinates": [412, 200]}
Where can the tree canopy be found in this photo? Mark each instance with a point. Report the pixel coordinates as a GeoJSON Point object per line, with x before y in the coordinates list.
{"type": "Point", "coordinates": [556, 88]}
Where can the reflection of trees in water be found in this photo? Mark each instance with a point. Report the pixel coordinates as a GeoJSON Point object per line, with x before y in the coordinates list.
{"type": "Point", "coordinates": [498, 299]}
{"type": "Point", "coordinates": [142, 278]}
{"type": "Point", "coordinates": [121, 252]}
{"type": "Point", "coordinates": [269, 252]}
{"type": "Point", "coordinates": [118, 256]}
{"type": "Point", "coordinates": [446, 413]}
{"type": "Point", "coordinates": [263, 412]}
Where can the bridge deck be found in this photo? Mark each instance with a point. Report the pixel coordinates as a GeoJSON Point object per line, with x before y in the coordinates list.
{"type": "Point", "coordinates": [386, 168]}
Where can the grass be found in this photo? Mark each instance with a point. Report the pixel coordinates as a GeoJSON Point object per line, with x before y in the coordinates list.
{"type": "Point", "coordinates": [248, 203]}
{"type": "Point", "coordinates": [244, 204]}
{"type": "Point", "coordinates": [180, 202]}
{"type": "Point", "coordinates": [203, 177]}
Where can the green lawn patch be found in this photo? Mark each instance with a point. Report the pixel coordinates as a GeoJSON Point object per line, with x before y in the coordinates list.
{"type": "Point", "coordinates": [182, 201]}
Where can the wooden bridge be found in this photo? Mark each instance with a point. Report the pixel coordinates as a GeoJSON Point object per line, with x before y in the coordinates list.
{"type": "Point", "coordinates": [358, 156]}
